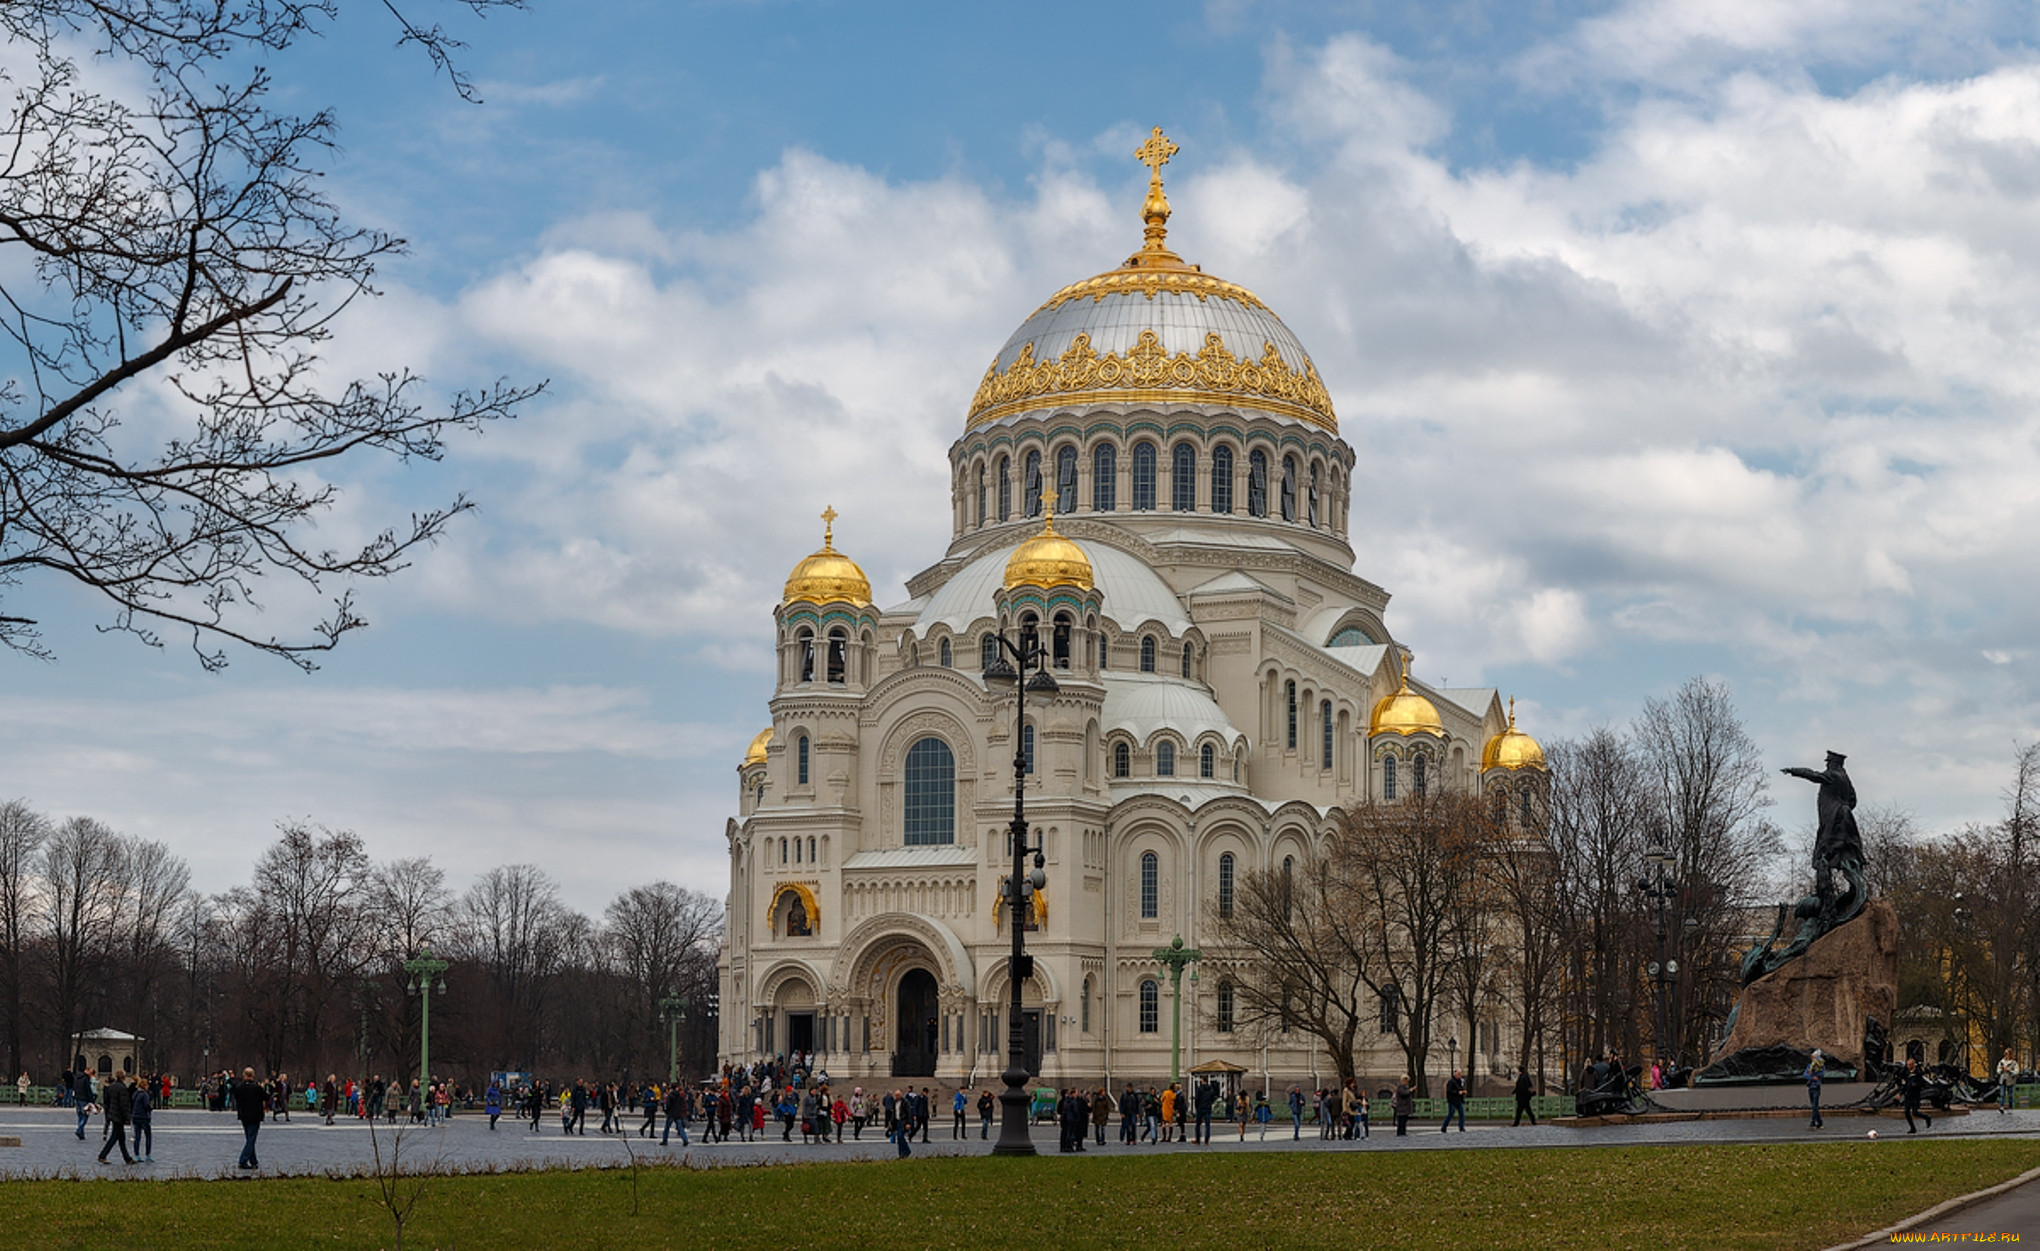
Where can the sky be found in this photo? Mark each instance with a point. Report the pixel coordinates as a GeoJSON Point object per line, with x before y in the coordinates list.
{"type": "Point", "coordinates": [1673, 339]}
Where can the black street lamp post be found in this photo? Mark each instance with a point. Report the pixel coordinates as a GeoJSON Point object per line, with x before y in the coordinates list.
{"type": "Point", "coordinates": [1657, 886]}
{"type": "Point", "coordinates": [1020, 887]}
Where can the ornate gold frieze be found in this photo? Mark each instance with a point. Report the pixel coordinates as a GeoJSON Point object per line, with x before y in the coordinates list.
{"type": "Point", "coordinates": [1147, 368]}
{"type": "Point", "coordinates": [1150, 283]}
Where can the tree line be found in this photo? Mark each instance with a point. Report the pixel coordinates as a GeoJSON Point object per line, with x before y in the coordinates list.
{"type": "Point", "coordinates": [299, 970]}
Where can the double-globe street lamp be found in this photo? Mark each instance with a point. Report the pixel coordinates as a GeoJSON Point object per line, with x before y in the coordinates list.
{"type": "Point", "coordinates": [1021, 885]}
{"type": "Point", "coordinates": [423, 970]}
{"type": "Point", "coordinates": [1657, 886]}
{"type": "Point", "coordinates": [673, 1010]}
{"type": "Point", "coordinates": [1176, 957]}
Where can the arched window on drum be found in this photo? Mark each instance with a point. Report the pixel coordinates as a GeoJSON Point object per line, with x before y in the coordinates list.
{"type": "Point", "coordinates": [1005, 488]}
{"type": "Point", "coordinates": [1122, 760]}
{"type": "Point", "coordinates": [1165, 759]}
{"type": "Point", "coordinates": [1207, 761]}
{"type": "Point", "coordinates": [1226, 868]}
{"type": "Point", "coordinates": [943, 653]}
{"type": "Point", "coordinates": [930, 781]}
{"type": "Point", "coordinates": [1147, 653]}
{"type": "Point", "coordinates": [1289, 488]}
{"type": "Point", "coordinates": [1066, 479]}
{"type": "Point", "coordinates": [1150, 886]}
{"type": "Point", "coordinates": [1104, 478]}
{"type": "Point", "coordinates": [1143, 477]}
{"type": "Point", "coordinates": [1033, 481]}
{"type": "Point", "coordinates": [1221, 479]}
{"type": "Point", "coordinates": [1257, 483]}
{"type": "Point", "coordinates": [1183, 478]}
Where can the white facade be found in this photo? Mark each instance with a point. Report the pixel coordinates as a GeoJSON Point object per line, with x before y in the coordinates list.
{"type": "Point", "coordinates": [1226, 684]}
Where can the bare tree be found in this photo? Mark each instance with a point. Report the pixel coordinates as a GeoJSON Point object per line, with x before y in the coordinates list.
{"type": "Point", "coordinates": [22, 831]}
{"type": "Point", "coordinates": [308, 886]}
{"type": "Point", "coordinates": [654, 934]}
{"type": "Point", "coordinates": [1292, 942]}
{"type": "Point", "coordinates": [80, 866]}
{"type": "Point", "coordinates": [1706, 793]}
{"type": "Point", "coordinates": [410, 905]}
{"type": "Point", "coordinates": [1532, 953]}
{"type": "Point", "coordinates": [174, 255]}
{"type": "Point", "coordinates": [1595, 832]}
{"type": "Point", "coordinates": [513, 929]}
{"type": "Point", "coordinates": [1407, 867]}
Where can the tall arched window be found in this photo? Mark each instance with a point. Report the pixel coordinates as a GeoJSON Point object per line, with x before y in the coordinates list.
{"type": "Point", "coordinates": [1528, 821]}
{"type": "Point", "coordinates": [1417, 778]}
{"type": "Point", "coordinates": [1388, 778]}
{"type": "Point", "coordinates": [1150, 1007]}
{"type": "Point", "coordinates": [1005, 488]}
{"type": "Point", "coordinates": [800, 760]}
{"type": "Point", "coordinates": [1027, 746]}
{"type": "Point", "coordinates": [807, 656]}
{"type": "Point", "coordinates": [1225, 1007]}
{"type": "Point", "coordinates": [1325, 755]}
{"type": "Point", "coordinates": [1226, 867]}
{"type": "Point", "coordinates": [1032, 478]}
{"type": "Point", "coordinates": [1061, 643]}
{"type": "Point", "coordinates": [1183, 478]}
{"type": "Point", "coordinates": [981, 518]}
{"type": "Point", "coordinates": [943, 654]}
{"type": "Point", "coordinates": [1289, 488]}
{"type": "Point", "coordinates": [1288, 885]}
{"type": "Point", "coordinates": [1147, 653]}
{"type": "Point", "coordinates": [1104, 478]}
{"type": "Point", "coordinates": [1207, 761]}
{"type": "Point", "coordinates": [782, 851]}
{"type": "Point", "coordinates": [1143, 477]}
{"type": "Point", "coordinates": [1104, 650]}
{"type": "Point", "coordinates": [1150, 886]}
{"type": "Point", "coordinates": [839, 658]}
{"type": "Point", "coordinates": [796, 851]}
{"type": "Point", "coordinates": [1289, 695]}
{"type": "Point", "coordinates": [1165, 759]}
{"type": "Point", "coordinates": [931, 793]}
{"type": "Point", "coordinates": [1122, 760]}
{"type": "Point", "coordinates": [1066, 478]}
{"type": "Point", "coordinates": [1221, 479]}
{"type": "Point", "coordinates": [1084, 1023]}
{"type": "Point", "coordinates": [988, 651]}
{"type": "Point", "coordinates": [1257, 483]}
{"type": "Point", "coordinates": [1186, 659]}
{"type": "Point", "coordinates": [1312, 499]}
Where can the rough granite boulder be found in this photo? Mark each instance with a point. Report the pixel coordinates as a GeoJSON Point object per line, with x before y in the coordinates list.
{"type": "Point", "coordinates": [1826, 997]}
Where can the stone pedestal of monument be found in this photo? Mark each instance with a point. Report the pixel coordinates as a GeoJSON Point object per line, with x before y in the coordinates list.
{"type": "Point", "coordinates": [1824, 999]}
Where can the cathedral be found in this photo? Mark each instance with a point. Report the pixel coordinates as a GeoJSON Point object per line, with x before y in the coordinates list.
{"type": "Point", "coordinates": [1150, 485]}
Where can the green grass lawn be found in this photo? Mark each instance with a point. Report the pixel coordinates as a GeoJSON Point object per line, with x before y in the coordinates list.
{"type": "Point", "coordinates": [1793, 1196]}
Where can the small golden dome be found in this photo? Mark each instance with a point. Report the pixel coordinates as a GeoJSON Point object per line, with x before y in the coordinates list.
{"type": "Point", "coordinates": [1406, 712]}
{"type": "Point", "coordinates": [756, 753]}
{"type": "Point", "coordinates": [1048, 559]}
{"type": "Point", "coordinates": [1512, 749]}
{"type": "Point", "coordinates": [828, 575]}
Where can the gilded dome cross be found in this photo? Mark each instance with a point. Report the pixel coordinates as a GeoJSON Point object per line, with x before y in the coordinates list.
{"type": "Point", "coordinates": [1154, 211]}
{"type": "Point", "coordinates": [829, 516]}
{"type": "Point", "coordinates": [1155, 153]}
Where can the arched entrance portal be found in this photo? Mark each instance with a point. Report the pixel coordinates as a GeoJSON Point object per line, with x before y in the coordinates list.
{"type": "Point", "coordinates": [918, 1038]}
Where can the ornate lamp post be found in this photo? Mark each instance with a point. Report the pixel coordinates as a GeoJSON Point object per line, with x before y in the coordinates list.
{"type": "Point", "coordinates": [1020, 887]}
{"type": "Point", "coordinates": [423, 970]}
{"type": "Point", "coordinates": [1176, 957]}
{"type": "Point", "coordinates": [1657, 886]}
{"type": "Point", "coordinates": [673, 1010]}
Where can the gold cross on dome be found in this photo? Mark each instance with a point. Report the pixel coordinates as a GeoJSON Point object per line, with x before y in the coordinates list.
{"type": "Point", "coordinates": [829, 516]}
{"type": "Point", "coordinates": [1155, 153]}
{"type": "Point", "coordinates": [1048, 502]}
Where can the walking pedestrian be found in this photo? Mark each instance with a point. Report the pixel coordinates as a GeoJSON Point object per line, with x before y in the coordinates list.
{"type": "Point", "coordinates": [958, 1106]}
{"type": "Point", "coordinates": [141, 1107]}
{"type": "Point", "coordinates": [860, 1112]}
{"type": "Point", "coordinates": [1101, 1112]}
{"type": "Point", "coordinates": [1455, 1102]}
{"type": "Point", "coordinates": [1295, 1112]}
{"type": "Point", "coordinates": [984, 1107]}
{"type": "Point", "coordinates": [1262, 1112]}
{"type": "Point", "coordinates": [903, 1133]}
{"type": "Point", "coordinates": [492, 1104]}
{"type": "Point", "coordinates": [1913, 1087]}
{"type": "Point", "coordinates": [2008, 1080]}
{"type": "Point", "coordinates": [119, 1099]}
{"type": "Point", "coordinates": [1816, 1068]}
{"type": "Point", "coordinates": [21, 1088]}
{"type": "Point", "coordinates": [676, 1116]}
{"type": "Point", "coordinates": [82, 1098]}
{"type": "Point", "coordinates": [330, 1096]}
{"type": "Point", "coordinates": [1523, 1092]}
{"type": "Point", "coordinates": [1405, 1105]}
{"type": "Point", "coordinates": [250, 1103]}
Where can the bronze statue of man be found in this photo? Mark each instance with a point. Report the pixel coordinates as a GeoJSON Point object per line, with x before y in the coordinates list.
{"type": "Point", "coordinates": [1837, 844]}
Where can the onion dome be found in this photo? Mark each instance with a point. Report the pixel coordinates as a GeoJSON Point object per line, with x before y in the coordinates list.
{"type": "Point", "coordinates": [1406, 712]}
{"type": "Point", "coordinates": [756, 753]}
{"type": "Point", "coordinates": [1155, 328]}
{"type": "Point", "coordinates": [1049, 559]}
{"type": "Point", "coordinates": [1512, 749]}
{"type": "Point", "coordinates": [828, 575]}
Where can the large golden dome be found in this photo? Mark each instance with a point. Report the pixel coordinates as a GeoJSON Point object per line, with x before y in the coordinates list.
{"type": "Point", "coordinates": [1155, 329]}
{"type": "Point", "coordinates": [1049, 559]}
{"type": "Point", "coordinates": [1406, 712]}
{"type": "Point", "coordinates": [1512, 749]}
{"type": "Point", "coordinates": [756, 753]}
{"type": "Point", "coordinates": [828, 576]}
